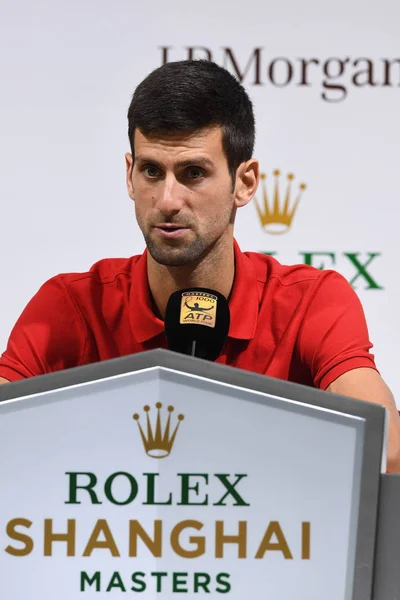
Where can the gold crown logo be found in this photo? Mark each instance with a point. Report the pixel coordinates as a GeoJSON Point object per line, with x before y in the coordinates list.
{"type": "Point", "coordinates": [278, 218]}
{"type": "Point", "coordinates": [158, 443]}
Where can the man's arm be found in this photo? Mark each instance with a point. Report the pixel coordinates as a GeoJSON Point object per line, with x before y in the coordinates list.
{"type": "Point", "coordinates": [367, 384]}
{"type": "Point", "coordinates": [50, 335]}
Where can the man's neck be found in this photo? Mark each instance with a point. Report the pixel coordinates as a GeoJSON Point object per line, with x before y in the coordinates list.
{"type": "Point", "coordinates": [216, 271]}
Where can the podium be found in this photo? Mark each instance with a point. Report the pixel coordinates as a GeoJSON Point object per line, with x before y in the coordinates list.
{"type": "Point", "coordinates": [159, 475]}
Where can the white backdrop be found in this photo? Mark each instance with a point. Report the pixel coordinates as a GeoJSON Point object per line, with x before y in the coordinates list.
{"type": "Point", "coordinates": [68, 70]}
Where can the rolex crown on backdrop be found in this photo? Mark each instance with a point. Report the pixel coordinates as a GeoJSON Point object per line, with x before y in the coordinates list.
{"type": "Point", "coordinates": [276, 215]}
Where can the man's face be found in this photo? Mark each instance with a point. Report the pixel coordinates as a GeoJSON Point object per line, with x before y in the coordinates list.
{"type": "Point", "coordinates": [183, 194]}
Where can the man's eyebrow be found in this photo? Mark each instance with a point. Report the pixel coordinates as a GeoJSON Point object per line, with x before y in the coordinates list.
{"type": "Point", "coordinates": [200, 161]}
{"type": "Point", "coordinates": [144, 160]}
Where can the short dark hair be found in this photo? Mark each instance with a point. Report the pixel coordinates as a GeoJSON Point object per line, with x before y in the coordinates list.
{"type": "Point", "coordinates": [190, 95]}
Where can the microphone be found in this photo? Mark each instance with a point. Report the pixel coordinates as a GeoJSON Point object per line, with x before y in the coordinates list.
{"type": "Point", "coordinates": [197, 322]}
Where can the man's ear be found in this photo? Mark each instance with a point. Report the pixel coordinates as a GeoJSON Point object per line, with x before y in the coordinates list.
{"type": "Point", "coordinates": [247, 178]}
{"type": "Point", "coordinates": [129, 169]}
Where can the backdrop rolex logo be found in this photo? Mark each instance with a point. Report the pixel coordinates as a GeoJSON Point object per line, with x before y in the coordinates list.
{"type": "Point", "coordinates": [276, 210]}
{"type": "Point", "coordinates": [198, 307]}
{"type": "Point", "coordinates": [158, 441]}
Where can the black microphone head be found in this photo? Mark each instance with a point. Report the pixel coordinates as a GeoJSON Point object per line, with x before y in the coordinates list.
{"type": "Point", "coordinates": [197, 322]}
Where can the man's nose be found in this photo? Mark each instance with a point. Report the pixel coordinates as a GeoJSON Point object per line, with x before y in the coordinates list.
{"type": "Point", "coordinates": [170, 201]}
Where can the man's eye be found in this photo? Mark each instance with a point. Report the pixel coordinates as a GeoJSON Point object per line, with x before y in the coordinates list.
{"type": "Point", "coordinates": [151, 171]}
{"type": "Point", "coordinates": [195, 173]}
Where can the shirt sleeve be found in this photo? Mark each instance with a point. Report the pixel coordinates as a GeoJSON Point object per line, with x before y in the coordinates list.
{"type": "Point", "coordinates": [334, 336]}
{"type": "Point", "coordinates": [50, 335]}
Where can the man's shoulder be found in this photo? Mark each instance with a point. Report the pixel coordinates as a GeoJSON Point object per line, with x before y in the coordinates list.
{"type": "Point", "coordinates": [267, 268]}
{"type": "Point", "coordinates": [104, 271]}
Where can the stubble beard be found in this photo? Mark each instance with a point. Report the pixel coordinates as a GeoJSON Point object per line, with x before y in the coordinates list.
{"type": "Point", "coordinates": [179, 254]}
{"type": "Point", "coordinates": [176, 256]}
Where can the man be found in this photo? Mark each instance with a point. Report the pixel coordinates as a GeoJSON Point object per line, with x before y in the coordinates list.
{"type": "Point", "coordinates": [191, 129]}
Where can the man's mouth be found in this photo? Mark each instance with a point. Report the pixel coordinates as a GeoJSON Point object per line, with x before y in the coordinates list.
{"type": "Point", "coordinates": [170, 229]}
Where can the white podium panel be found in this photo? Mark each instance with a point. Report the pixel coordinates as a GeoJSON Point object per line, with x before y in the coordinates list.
{"type": "Point", "coordinates": [158, 483]}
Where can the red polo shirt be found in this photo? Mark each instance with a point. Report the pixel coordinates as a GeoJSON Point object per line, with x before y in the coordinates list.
{"type": "Point", "coordinates": [291, 322]}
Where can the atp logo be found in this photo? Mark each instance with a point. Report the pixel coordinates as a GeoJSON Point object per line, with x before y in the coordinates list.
{"type": "Point", "coordinates": [198, 308]}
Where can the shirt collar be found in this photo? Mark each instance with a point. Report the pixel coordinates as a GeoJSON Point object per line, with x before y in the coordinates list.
{"type": "Point", "coordinates": [243, 301]}
{"type": "Point", "coordinates": [145, 324]}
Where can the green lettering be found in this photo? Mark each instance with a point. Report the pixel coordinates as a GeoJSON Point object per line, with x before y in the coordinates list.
{"type": "Point", "coordinates": [138, 582]}
{"type": "Point", "coordinates": [133, 488]}
{"type": "Point", "coordinates": [198, 583]}
{"type": "Point", "coordinates": [116, 582]}
{"type": "Point", "coordinates": [226, 585]}
{"type": "Point", "coordinates": [186, 488]}
{"type": "Point", "coordinates": [177, 581]}
{"type": "Point", "coordinates": [230, 487]}
{"type": "Point", "coordinates": [151, 485]}
{"type": "Point", "coordinates": [159, 576]}
{"type": "Point", "coordinates": [74, 487]}
{"type": "Point", "coordinates": [362, 269]}
{"type": "Point", "coordinates": [85, 579]}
